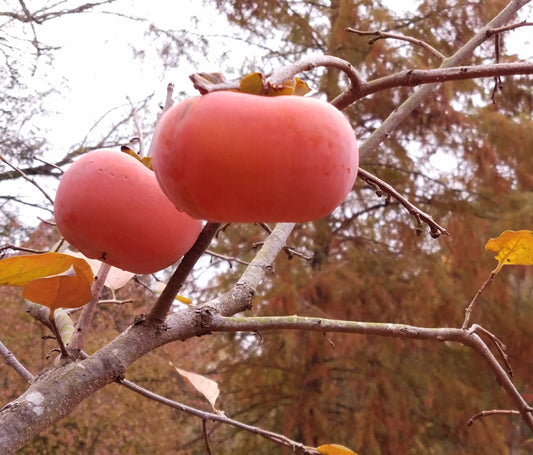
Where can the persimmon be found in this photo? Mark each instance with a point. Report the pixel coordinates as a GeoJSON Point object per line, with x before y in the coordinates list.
{"type": "Point", "coordinates": [110, 207]}
{"type": "Point", "coordinates": [235, 157]}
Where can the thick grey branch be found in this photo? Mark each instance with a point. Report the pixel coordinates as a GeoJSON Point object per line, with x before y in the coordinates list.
{"type": "Point", "coordinates": [56, 393]}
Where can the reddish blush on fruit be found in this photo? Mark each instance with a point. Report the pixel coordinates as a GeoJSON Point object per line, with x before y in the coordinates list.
{"type": "Point", "coordinates": [234, 157]}
{"type": "Point", "coordinates": [110, 207]}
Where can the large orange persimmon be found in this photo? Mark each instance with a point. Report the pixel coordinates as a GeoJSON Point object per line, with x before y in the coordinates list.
{"type": "Point", "coordinates": [235, 157]}
{"type": "Point", "coordinates": [110, 207]}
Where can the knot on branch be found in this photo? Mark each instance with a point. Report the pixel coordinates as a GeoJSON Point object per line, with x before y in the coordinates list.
{"type": "Point", "coordinates": [203, 320]}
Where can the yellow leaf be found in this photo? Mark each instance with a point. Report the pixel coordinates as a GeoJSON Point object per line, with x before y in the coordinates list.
{"type": "Point", "coordinates": [184, 300]}
{"type": "Point", "coordinates": [252, 83]}
{"type": "Point", "coordinates": [513, 248]}
{"type": "Point", "coordinates": [334, 449]}
{"type": "Point", "coordinates": [69, 290]}
{"type": "Point", "coordinates": [20, 270]}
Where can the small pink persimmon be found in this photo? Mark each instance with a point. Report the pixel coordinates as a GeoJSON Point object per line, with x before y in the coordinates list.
{"type": "Point", "coordinates": [235, 157]}
{"type": "Point", "coordinates": [110, 207]}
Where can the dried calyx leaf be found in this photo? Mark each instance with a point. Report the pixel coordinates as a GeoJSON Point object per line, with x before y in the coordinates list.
{"type": "Point", "coordinates": [254, 83]}
{"type": "Point", "coordinates": [146, 160]}
{"type": "Point", "coordinates": [513, 248]}
{"type": "Point", "coordinates": [257, 84]}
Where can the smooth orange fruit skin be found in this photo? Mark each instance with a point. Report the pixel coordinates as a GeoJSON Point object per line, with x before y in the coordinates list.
{"type": "Point", "coordinates": [110, 207]}
{"type": "Point", "coordinates": [234, 157]}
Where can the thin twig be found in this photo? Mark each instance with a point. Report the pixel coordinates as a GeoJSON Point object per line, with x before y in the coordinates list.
{"type": "Point", "coordinates": [206, 436]}
{"type": "Point", "coordinates": [473, 303]}
{"type": "Point", "coordinates": [168, 101]}
{"type": "Point", "coordinates": [9, 246]}
{"type": "Point", "coordinates": [13, 362]}
{"type": "Point", "coordinates": [378, 34]}
{"type": "Point", "coordinates": [138, 130]}
{"type": "Point", "coordinates": [500, 346]}
{"type": "Point", "coordinates": [28, 179]}
{"type": "Point", "coordinates": [115, 301]}
{"type": "Point", "coordinates": [435, 229]}
{"type": "Point", "coordinates": [218, 417]}
{"type": "Point", "coordinates": [509, 27]}
{"type": "Point", "coordinates": [62, 349]}
{"type": "Point", "coordinates": [86, 317]}
{"type": "Point", "coordinates": [492, 412]}
{"type": "Point", "coordinates": [229, 259]}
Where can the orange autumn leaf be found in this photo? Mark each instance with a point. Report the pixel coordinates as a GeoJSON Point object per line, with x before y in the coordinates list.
{"type": "Point", "coordinates": [51, 279]}
{"type": "Point", "coordinates": [513, 248]}
{"type": "Point", "coordinates": [68, 290]}
{"type": "Point", "coordinates": [334, 449]}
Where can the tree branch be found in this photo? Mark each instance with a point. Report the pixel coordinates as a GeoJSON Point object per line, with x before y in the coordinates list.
{"type": "Point", "coordinates": [28, 179]}
{"type": "Point", "coordinates": [61, 389]}
{"type": "Point", "coordinates": [13, 362]}
{"type": "Point", "coordinates": [85, 320]}
{"type": "Point", "coordinates": [219, 417]}
{"type": "Point", "coordinates": [219, 323]}
{"type": "Point", "coordinates": [383, 187]}
{"type": "Point", "coordinates": [163, 304]}
{"type": "Point", "coordinates": [378, 34]}
{"type": "Point", "coordinates": [416, 99]}
{"type": "Point", "coordinates": [411, 78]}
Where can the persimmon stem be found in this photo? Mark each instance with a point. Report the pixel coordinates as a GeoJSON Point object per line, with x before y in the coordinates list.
{"type": "Point", "coordinates": [162, 306]}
